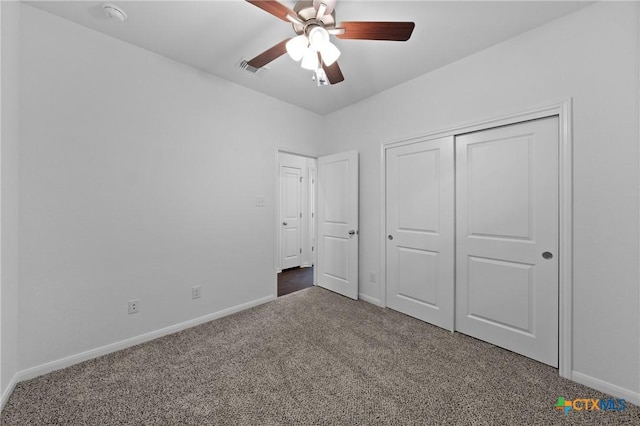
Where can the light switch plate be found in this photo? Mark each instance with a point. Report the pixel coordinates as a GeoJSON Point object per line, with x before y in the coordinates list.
{"type": "Point", "coordinates": [260, 202]}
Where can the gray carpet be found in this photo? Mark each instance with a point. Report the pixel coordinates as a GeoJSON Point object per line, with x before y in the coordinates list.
{"type": "Point", "coordinates": [311, 357]}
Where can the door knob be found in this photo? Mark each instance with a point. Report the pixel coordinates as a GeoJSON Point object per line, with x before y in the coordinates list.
{"type": "Point", "coordinates": [390, 237]}
{"type": "Point", "coordinates": [547, 255]}
{"type": "Point", "coordinates": [284, 223]}
{"type": "Point", "coordinates": [352, 232]}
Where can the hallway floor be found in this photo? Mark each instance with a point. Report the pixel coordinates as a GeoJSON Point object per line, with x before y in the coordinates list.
{"type": "Point", "coordinates": [294, 279]}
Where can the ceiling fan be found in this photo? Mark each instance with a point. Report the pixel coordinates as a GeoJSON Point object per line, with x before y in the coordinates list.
{"type": "Point", "coordinates": [314, 22]}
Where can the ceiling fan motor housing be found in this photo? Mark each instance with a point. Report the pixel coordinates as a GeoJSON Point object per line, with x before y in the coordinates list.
{"type": "Point", "coordinates": [307, 14]}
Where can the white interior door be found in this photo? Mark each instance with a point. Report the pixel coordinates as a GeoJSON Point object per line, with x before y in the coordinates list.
{"type": "Point", "coordinates": [507, 237]}
{"type": "Point", "coordinates": [420, 230]}
{"type": "Point", "coordinates": [290, 217]}
{"type": "Point", "coordinates": [338, 223]}
{"type": "Point", "coordinates": [312, 209]}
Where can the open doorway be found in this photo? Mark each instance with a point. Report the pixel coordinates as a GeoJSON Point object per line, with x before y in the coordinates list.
{"type": "Point", "coordinates": [294, 279]}
{"type": "Point", "coordinates": [295, 222]}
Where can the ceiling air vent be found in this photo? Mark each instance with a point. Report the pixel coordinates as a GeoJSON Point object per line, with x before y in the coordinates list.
{"type": "Point", "coordinates": [244, 64]}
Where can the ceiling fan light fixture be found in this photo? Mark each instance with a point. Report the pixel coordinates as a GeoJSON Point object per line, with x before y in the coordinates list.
{"type": "Point", "coordinates": [314, 23]}
{"type": "Point", "coordinates": [318, 38]}
{"type": "Point", "coordinates": [297, 46]}
{"type": "Point", "coordinates": [330, 53]}
{"type": "Point", "coordinates": [310, 60]}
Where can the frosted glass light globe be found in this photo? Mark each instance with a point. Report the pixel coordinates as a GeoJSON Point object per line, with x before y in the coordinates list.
{"type": "Point", "coordinates": [318, 38]}
{"type": "Point", "coordinates": [297, 46]}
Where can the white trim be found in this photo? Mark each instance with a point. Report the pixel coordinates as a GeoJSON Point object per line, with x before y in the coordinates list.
{"type": "Point", "coordinates": [313, 196]}
{"type": "Point", "coordinates": [504, 119]}
{"type": "Point", "coordinates": [382, 278]}
{"type": "Point", "coordinates": [296, 152]}
{"type": "Point", "coordinates": [276, 228]}
{"type": "Point", "coordinates": [314, 232]}
{"type": "Point", "coordinates": [8, 391]}
{"type": "Point", "coordinates": [563, 110]}
{"type": "Point", "coordinates": [565, 240]}
{"type": "Point", "coordinates": [369, 299]}
{"type": "Point", "coordinates": [638, 27]}
{"type": "Point", "coordinates": [2, 400]}
{"type": "Point", "coordinates": [48, 367]}
{"type": "Point", "coordinates": [606, 387]}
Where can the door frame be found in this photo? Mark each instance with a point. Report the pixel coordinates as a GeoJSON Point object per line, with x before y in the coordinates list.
{"type": "Point", "coordinates": [563, 110]}
{"type": "Point", "coordinates": [276, 213]}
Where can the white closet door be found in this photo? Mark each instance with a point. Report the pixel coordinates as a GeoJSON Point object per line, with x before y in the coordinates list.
{"type": "Point", "coordinates": [420, 227]}
{"type": "Point", "coordinates": [507, 237]}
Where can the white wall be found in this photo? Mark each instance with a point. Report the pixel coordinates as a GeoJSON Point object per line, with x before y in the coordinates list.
{"type": "Point", "coordinates": [138, 178]}
{"type": "Point", "coordinates": [591, 56]}
{"type": "Point", "coordinates": [9, 193]}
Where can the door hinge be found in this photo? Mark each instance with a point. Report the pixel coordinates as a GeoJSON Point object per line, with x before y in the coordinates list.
{"type": "Point", "coordinates": [300, 178]}
{"type": "Point", "coordinates": [300, 251]}
{"type": "Point", "coordinates": [300, 215]}
{"type": "Point", "coordinates": [312, 248]}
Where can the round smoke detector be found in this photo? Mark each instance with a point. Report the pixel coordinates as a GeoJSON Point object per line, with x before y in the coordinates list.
{"type": "Point", "coordinates": [114, 12]}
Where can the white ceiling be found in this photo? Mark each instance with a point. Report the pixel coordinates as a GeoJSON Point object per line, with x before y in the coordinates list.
{"type": "Point", "coordinates": [214, 36]}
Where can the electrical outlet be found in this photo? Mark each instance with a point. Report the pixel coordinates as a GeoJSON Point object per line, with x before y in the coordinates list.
{"type": "Point", "coordinates": [134, 306]}
{"type": "Point", "coordinates": [372, 277]}
{"type": "Point", "coordinates": [195, 291]}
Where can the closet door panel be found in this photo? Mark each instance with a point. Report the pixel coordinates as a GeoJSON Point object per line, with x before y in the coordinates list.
{"type": "Point", "coordinates": [507, 237]}
{"type": "Point", "coordinates": [420, 225]}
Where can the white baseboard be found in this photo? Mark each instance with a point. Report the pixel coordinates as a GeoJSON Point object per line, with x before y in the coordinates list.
{"type": "Point", "coordinates": [606, 387]}
{"type": "Point", "coordinates": [8, 391]}
{"type": "Point", "coordinates": [48, 367]}
{"type": "Point", "coordinates": [370, 299]}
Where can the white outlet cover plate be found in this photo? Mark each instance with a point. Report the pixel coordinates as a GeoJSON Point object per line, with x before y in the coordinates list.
{"type": "Point", "coordinates": [196, 292]}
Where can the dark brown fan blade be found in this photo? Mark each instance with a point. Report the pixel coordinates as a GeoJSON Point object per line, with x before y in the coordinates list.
{"type": "Point", "coordinates": [334, 74]}
{"type": "Point", "coordinates": [269, 55]}
{"type": "Point", "coordinates": [393, 31]}
{"type": "Point", "coordinates": [275, 8]}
